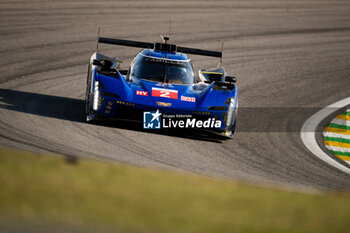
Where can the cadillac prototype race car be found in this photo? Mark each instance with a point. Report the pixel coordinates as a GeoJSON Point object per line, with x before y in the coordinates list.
{"type": "Point", "coordinates": [161, 81]}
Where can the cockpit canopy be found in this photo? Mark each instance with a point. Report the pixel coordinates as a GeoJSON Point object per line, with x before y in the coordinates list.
{"type": "Point", "coordinates": [162, 69]}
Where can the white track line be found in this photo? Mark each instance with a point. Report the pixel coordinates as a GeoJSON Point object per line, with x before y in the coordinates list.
{"type": "Point", "coordinates": [308, 133]}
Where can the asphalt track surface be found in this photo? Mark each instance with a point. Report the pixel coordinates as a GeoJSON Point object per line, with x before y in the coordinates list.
{"type": "Point", "coordinates": [291, 58]}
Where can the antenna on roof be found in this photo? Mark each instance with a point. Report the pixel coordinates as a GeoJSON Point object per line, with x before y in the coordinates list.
{"type": "Point", "coordinates": [222, 51]}
{"type": "Point", "coordinates": [98, 36]}
{"type": "Point", "coordinates": [166, 38]}
{"type": "Point", "coordinates": [169, 27]}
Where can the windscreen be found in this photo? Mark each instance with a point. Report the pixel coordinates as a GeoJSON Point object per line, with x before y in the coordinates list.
{"type": "Point", "coordinates": [163, 70]}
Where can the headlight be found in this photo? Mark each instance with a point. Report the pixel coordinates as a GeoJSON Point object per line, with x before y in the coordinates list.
{"type": "Point", "coordinates": [96, 104]}
{"type": "Point", "coordinates": [231, 108]}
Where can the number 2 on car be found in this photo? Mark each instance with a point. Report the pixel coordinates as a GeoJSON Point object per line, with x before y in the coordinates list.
{"type": "Point", "coordinates": [166, 93]}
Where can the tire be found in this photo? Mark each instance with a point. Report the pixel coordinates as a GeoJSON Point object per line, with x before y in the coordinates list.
{"type": "Point", "coordinates": [230, 134]}
{"type": "Point", "coordinates": [234, 127]}
{"type": "Point", "coordinates": [87, 96]}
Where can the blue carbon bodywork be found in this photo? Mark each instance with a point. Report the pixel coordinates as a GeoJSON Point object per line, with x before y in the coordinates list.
{"type": "Point", "coordinates": [117, 93]}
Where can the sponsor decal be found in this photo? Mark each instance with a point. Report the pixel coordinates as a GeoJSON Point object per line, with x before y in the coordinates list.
{"type": "Point", "coordinates": [157, 120]}
{"type": "Point", "coordinates": [143, 93]}
{"type": "Point", "coordinates": [189, 99]}
{"type": "Point", "coordinates": [151, 120]}
{"type": "Point", "coordinates": [165, 93]}
{"type": "Point", "coordinates": [167, 61]}
{"type": "Point", "coordinates": [165, 85]}
{"type": "Point", "coordinates": [164, 104]}
{"type": "Point", "coordinates": [125, 103]}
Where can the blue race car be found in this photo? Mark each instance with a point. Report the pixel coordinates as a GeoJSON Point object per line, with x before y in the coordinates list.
{"type": "Point", "coordinates": [161, 81]}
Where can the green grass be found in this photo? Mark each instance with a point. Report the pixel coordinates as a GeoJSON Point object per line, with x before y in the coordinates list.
{"type": "Point", "coordinates": [46, 190]}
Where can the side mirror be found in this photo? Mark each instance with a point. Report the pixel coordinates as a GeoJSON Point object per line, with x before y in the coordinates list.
{"type": "Point", "coordinates": [97, 62]}
{"type": "Point", "coordinates": [230, 79]}
{"type": "Point", "coordinates": [123, 72]}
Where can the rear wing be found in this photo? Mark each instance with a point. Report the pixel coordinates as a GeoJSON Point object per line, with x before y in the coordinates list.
{"type": "Point", "coordinates": [160, 47]}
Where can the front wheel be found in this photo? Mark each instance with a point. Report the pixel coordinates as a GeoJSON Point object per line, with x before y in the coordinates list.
{"type": "Point", "coordinates": [89, 117]}
{"type": "Point", "coordinates": [230, 133]}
